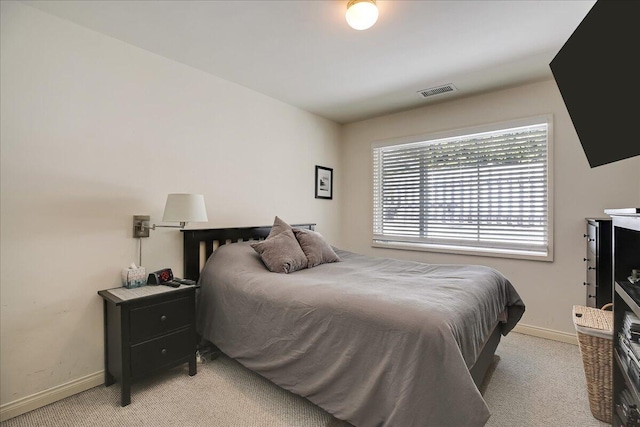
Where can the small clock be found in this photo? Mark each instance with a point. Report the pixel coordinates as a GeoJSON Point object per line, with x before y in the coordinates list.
{"type": "Point", "coordinates": [161, 276]}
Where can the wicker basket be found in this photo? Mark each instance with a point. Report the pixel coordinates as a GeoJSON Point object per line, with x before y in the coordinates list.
{"type": "Point", "coordinates": [594, 328]}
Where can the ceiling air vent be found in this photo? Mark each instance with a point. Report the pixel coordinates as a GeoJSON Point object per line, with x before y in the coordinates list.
{"type": "Point", "coordinates": [426, 93]}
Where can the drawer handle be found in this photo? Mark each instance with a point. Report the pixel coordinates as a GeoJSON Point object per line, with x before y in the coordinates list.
{"type": "Point", "coordinates": [591, 268]}
{"type": "Point", "coordinates": [585, 259]}
{"type": "Point", "coordinates": [163, 351]}
{"type": "Point", "coordinates": [163, 318]}
{"type": "Point", "coordinates": [591, 240]}
{"type": "Point", "coordinates": [585, 284]}
{"type": "Point", "coordinates": [592, 296]}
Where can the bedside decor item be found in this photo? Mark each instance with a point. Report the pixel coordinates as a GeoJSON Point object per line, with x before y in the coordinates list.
{"type": "Point", "coordinates": [134, 277]}
{"type": "Point", "coordinates": [324, 182]}
{"type": "Point", "coordinates": [180, 207]}
{"type": "Point", "coordinates": [361, 14]}
{"type": "Point", "coordinates": [165, 276]}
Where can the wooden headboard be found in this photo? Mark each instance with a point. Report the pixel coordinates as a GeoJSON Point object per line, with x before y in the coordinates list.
{"type": "Point", "coordinates": [209, 239]}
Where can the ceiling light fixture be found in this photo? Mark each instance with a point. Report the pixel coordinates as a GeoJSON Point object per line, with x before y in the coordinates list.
{"type": "Point", "coordinates": [361, 14]}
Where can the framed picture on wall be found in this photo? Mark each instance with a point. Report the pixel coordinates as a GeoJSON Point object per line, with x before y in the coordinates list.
{"type": "Point", "coordinates": [324, 182]}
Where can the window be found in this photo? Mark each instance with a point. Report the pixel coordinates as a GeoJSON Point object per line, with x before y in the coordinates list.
{"type": "Point", "coordinates": [481, 191]}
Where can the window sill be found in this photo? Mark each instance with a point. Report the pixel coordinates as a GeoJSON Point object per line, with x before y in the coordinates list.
{"type": "Point", "coordinates": [465, 250]}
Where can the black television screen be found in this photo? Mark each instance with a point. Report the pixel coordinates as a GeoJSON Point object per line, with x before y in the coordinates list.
{"type": "Point", "coordinates": [598, 75]}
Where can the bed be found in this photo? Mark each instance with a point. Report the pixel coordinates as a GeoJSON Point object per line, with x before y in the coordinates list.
{"type": "Point", "coordinates": [373, 341]}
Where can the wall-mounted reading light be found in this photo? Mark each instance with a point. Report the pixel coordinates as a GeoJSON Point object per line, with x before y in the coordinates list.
{"type": "Point", "coordinates": [182, 208]}
{"type": "Point", "coordinates": [361, 14]}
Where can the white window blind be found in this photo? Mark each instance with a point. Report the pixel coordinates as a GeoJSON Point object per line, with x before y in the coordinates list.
{"type": "Point", "coordinates": [486, 190]}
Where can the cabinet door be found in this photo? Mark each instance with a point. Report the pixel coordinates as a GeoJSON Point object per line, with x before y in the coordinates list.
{"type": "Point", "coordinates": [592, 288]}
{"type": "Point", "coordinates": [598, 262]}
{"type": "Point", "coordinates": [592, 234]}
{"type": "Point", "coordinates": [591, 265]}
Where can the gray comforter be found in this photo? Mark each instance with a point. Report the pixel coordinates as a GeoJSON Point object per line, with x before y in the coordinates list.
{"type": "Point", "coordinates": [374, 341]}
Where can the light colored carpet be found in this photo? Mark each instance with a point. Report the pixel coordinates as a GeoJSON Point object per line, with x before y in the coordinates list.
{"type": "Point", "coordinates": [537, 382]}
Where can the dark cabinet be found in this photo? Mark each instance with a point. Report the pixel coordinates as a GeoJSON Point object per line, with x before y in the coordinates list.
{"type": "Point", "coordinates": [147, 330]}
{"type": "Point", "coordinates": [626, 318]}
{"type": "Point", "coordinates": [598, 262]}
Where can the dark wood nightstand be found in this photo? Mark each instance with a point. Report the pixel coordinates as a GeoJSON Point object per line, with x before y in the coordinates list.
{"type": "Point", "coordinates": [147, 330]}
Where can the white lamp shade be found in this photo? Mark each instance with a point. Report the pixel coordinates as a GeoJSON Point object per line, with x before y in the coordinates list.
{"type": "Point", "coordinates": [361, 14]}
{"type": "Point", "coordinates": [185, 208]}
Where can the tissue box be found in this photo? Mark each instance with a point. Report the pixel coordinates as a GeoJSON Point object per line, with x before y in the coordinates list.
{"type": "Point", "coordinates": [134, 277]}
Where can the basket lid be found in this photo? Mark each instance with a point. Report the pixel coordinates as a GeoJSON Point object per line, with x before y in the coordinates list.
{"type": "Point", "coordinates": [594, 318]}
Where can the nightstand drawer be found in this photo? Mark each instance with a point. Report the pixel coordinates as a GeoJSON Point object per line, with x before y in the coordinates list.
{"type": "Point", "coordinates": [150, 321]}
{"type": "Point", "coordinates": [151, 355]}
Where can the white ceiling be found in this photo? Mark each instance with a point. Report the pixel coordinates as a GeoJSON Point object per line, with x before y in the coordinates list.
{"type": "Point", "coordinates": [304, 53]}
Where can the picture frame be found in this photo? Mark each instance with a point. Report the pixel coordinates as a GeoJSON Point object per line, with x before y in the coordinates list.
{"type": "Point", "coordinates": [324, 182]}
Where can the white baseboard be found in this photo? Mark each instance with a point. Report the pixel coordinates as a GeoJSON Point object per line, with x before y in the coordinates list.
{"type": "Point", "coordinates": [549, 334]}
{"type": "Point", "coordinates": [42, 398]}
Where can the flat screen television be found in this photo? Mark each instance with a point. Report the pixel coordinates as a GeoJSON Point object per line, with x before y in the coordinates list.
{"type": "Point", "coordinates": [598, 76]}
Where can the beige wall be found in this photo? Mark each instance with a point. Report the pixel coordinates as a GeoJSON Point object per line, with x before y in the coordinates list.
{"type": "Point", "coordinates": [95, 131]}
{"type": "Point", "coordinates": [549, 289]}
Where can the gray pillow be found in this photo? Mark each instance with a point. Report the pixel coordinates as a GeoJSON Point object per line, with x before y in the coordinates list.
{"type": "Point", "coordinates": [278, 227]}
{"type": "Point", "coordinates": [316, 249]}
{"type": "Point", "coordinates": [281, 253]}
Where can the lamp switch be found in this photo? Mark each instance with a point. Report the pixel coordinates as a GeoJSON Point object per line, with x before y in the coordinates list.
{"type": "Point", "coordinates": [139, 230]}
